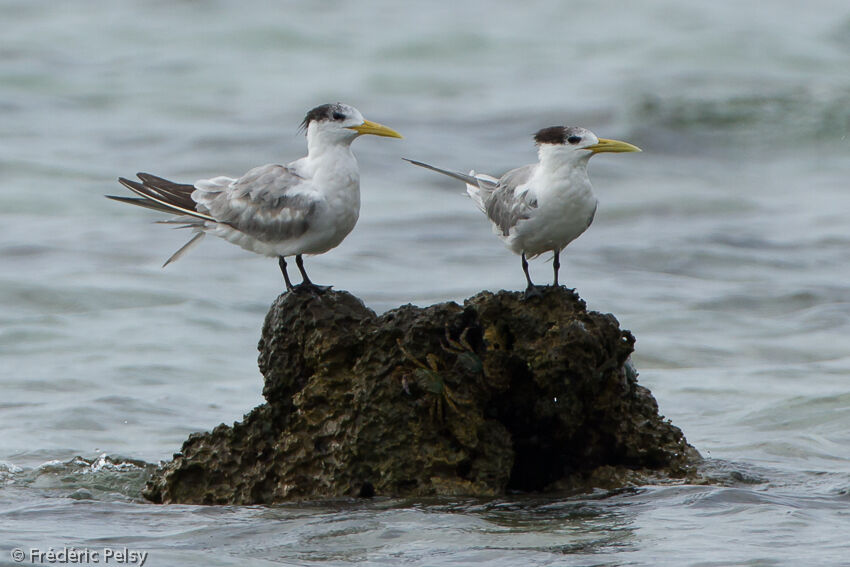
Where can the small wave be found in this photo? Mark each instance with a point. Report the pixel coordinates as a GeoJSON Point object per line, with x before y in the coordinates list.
{"type": "Point", "coordinates": [103, 477]}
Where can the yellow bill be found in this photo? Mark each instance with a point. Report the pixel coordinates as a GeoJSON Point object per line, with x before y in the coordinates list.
{"type": "Point", "coordinates": [369, 127]}
{"type": "Point", "coordinates": [615, 146]}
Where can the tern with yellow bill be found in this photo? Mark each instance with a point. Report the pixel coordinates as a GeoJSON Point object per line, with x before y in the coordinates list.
{"type": "Point", "coordinates": [306, 207]}
{"type": "Point", "coordinates": [544, 206]}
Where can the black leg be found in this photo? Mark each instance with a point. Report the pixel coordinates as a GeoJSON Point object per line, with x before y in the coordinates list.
{"type": "Point", "coordinates": [282, 263]}
{"type": "Point", "coordinates": [531, 290]}
{"type": "Point", "coordinates": [299, 261]}
{"type": "Point", "coordinates": [306, 284]}
{"type": "Point", "coordinates": [556, 265]}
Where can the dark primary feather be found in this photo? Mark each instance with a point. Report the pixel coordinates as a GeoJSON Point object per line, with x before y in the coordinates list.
{"type": "Point", "coordinates": [178, 194]}
{"type": "Point", "coordinates": [140, 202]}
{"type": "Point", "coordinates": [161, 195]}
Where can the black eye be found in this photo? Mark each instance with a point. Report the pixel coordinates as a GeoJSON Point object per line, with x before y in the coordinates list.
{"type": "Point", "coordinates": [338, 115]}
{"type": "Point", "coordinates": [574, 139]}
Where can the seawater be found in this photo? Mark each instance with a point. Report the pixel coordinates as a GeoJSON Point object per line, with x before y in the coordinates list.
{"type": "Point", "coordinates": [724, 247]}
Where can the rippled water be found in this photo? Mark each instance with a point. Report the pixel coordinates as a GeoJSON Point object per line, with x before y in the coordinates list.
{"type": "Point", "coordinates": [724, 247]}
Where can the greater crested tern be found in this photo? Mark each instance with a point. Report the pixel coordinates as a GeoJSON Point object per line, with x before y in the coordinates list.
{"type": "Point", "coordinates": [305, 207]}
{"type": "Point", "coordinates": [544, 206]}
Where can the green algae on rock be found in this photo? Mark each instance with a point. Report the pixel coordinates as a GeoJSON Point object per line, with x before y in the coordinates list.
{"type": "Point", "coordinates": [498, 395]}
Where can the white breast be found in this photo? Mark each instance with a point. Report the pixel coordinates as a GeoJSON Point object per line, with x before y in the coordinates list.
{"type": "Point", "coordinates": [565, 209]}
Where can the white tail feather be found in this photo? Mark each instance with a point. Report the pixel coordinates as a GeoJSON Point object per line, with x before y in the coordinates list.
{"type": "Point", "coordinates": [185, 248]}
{"type": "Point", "coordinates": [482, 190]}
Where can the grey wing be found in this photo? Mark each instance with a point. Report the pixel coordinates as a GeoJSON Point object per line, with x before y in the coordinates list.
{"type": "Point", "coordinates": [271, 202]}
{"type": "Point", "coordinates": [507, 205]}
{"type": "Point", "coordinates": [518, 176]}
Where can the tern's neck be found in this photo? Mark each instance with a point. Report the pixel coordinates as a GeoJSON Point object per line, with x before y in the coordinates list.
{"type": "Point", "coordinates": [558, 161]}
{"type": "Point", "coordinates": [319, 147]}
{"type": "Point", "coordinates": [331, 166]}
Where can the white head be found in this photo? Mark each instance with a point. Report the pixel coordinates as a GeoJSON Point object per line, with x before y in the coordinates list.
{"type": "Point", "coordinates": [574, 144]}
{"type": "Point", "coordinates": [340, 124]}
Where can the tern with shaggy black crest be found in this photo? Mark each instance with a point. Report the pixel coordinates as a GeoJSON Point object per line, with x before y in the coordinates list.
{"type": "Point", "coordinates": [305, 207]}
{"type": "Point", "coordinates": [544, 206]}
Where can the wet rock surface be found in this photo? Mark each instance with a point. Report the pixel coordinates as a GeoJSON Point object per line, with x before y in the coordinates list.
{"type": "Point", "coordinates": [501, 394]}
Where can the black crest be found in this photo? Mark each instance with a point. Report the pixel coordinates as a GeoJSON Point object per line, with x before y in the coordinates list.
{"type": "Point", "coordinates": [321, 112]}
{"type": "Point", "coordinates": [551, 135]}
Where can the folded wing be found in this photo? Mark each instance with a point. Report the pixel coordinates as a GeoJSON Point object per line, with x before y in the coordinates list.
{"type": "Point", "coordinates": [511, 202]}
{"type": "Point", "coordinates": [270, 203]}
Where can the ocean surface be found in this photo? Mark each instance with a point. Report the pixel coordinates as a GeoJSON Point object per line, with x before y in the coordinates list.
{"type": "Point", "coordinates": [724, 247]}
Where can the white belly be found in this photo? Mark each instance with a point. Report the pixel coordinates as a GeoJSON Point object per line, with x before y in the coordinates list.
{"type": "Point", "coordinates": [555, 224]}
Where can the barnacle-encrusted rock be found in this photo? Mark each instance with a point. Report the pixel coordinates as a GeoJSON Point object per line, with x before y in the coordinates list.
{"type": "Point", "coordinates": [500, 394]}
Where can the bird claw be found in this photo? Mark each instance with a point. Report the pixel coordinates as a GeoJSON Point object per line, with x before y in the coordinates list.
{"type": "Point", "coordinates": [311, 288]}
{"type": "Point", "coordinates": [532, 291]}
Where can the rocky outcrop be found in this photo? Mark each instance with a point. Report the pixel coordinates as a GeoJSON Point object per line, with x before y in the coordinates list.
{"type": "Point", "coordinates": [501, 394]}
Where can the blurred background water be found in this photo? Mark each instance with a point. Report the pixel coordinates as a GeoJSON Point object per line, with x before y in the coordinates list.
{"type": "Point", "coordinates": [724, 247]}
